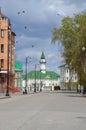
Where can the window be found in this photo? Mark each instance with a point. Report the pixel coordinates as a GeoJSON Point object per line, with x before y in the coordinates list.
{"type": "Point", "coordinates": [2, 33]}
{"type": "Point", "coordinates": [13, 38]}
{"type": "Point", "coordinates": [75, 77]}
{"type": "Point", "coordinates": [2, 79]}
{"type": "Point", "coordinates": [67, 70]}
{"type": "Point", "coordinates": [1, 63]}
{"type": "Point", "coordinates": [67, 78]}
{"type": "Point", "coordinates": [2, 48]}
{"type": "Point", "coordinates": [9, 35]}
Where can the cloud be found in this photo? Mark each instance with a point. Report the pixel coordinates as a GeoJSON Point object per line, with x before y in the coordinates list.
{"type": "Point", "coordinates": [33, 27]}
{"type": "Point", "coordinates": [77, 3]}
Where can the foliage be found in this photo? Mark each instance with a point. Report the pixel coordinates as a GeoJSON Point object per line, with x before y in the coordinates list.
{"type": "Point", "coordinates": [72, 35]}
{"type": "Point", "coordinates": [67, 84]}
{"type": "Point", "coordinates": [75, 84]}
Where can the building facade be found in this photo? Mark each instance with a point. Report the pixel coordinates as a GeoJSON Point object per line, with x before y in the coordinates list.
{"type": "Point", "coordinates": [43, 81]}
{"type": "Point", "coordinates": [68, 77]}
{"type": "Point", "coordinates": [7, 53]}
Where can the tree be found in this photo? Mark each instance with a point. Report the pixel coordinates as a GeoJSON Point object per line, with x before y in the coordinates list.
{"type": "Point", "coordinates": [72, 35]}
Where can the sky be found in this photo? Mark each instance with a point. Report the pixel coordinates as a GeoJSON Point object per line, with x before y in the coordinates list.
{"type": "Point", "coordinates": [33, 22]}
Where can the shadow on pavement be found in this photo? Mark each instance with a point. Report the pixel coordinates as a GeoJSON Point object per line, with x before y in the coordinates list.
{"type": "Point", "coordinates": [77, 95]}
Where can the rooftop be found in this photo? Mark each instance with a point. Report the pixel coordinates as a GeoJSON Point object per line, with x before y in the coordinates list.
{"type": "Point", "coordinates": [18, 66]}
{"type": "Point", "coordinates": [39, 75]}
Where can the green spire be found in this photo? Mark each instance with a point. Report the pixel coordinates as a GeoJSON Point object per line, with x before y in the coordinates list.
{"type": "Point", "coordinates": [42, 55]}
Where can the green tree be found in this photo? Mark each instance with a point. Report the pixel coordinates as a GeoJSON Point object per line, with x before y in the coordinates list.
{"type": "Point", "coordinates": [72, 35]}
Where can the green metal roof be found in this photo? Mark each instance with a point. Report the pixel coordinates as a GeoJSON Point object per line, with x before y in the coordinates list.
{"type": "Point", "coordinates": [64, 65]}
{"type": "Point", "coordinates": [42, 55]}
{"type": "Point", "coordinates": [18, 66]}
{"type": "Point", "coordinates": [39, 75]}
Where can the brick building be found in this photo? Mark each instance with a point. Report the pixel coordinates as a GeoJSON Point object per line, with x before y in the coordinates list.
{"type": "Point", "coordinates": [7, 51]}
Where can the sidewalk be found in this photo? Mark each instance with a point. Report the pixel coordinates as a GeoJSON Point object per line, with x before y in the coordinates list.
{"type": "Point", "coordinates": [3, 95]}
{"type": "Point", "coordinates": [11, 95]}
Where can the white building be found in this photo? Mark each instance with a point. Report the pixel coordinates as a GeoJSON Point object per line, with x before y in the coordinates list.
{"type": "Point", "coordinates": [42, 79]}
{"type": "Point", "coordinates": [68, 77]}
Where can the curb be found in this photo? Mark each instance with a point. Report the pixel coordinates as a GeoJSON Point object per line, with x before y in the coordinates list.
{"type": "Point", "coordinates": [2, 96]}
{"type": "Point", "coordinates": [5, 97]}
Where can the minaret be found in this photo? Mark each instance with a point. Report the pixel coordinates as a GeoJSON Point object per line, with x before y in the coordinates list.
{"type": "Point", "coordinates": [42, 63]}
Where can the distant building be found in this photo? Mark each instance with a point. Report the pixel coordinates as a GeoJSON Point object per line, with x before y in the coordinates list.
{"type": "Point", "coordinates": [68, 77]}
{"type": "Point", "coordinates": [43, 79]}
{"type": "Point", "coordinates": [7, 53]}
{"type": "Point", "coordinates": [18, 74]}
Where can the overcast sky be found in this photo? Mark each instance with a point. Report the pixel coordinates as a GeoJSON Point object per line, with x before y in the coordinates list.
{"type": "Point", "coordinates": [33, 22]}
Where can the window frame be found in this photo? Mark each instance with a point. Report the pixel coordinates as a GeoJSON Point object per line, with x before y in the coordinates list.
{"type": "Point", "coordinates": [2, 33]}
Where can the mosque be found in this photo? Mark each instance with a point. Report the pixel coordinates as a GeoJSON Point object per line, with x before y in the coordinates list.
{"type": "Point", "coordinates": [42, 80]}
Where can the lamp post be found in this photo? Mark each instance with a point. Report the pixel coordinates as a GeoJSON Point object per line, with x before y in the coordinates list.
{"type": "Point", "coordinates": [35, 74]}
{"type": "Point", "coordinates": [84, 65]}
{"type": "Point", "coordinates": [7, 91]}
{"type": "Point", "coordinates": [26, 72]}
{"type": "Point", "coordinates": [71, 76]}
{"type": "Point", "coordinates": [35, 80]}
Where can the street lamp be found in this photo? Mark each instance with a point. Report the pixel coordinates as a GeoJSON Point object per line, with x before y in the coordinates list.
{"type": "Point", "coordinates": [83, 48]}
{"type": "Point", "coordinates": [7, 91]}
{"type": "Point", "coordinates": [35, 80]}
{"type": "Point", "coordinates": [82, 64]}
{"type": "Point", "coordinates": [28, 57]}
